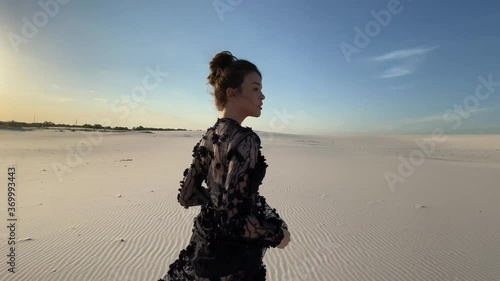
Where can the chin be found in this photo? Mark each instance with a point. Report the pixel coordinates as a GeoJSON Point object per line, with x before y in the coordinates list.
{"type": "Point", "coordinates": [254, 113]}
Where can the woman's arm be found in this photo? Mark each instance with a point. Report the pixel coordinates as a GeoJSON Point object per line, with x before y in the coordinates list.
{"type": "Point", "coordinates": [241, 195]}
{"type": "Point", "coordinates": [191, 192]}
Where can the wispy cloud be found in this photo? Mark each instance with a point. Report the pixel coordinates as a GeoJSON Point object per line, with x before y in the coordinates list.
{"type": "Point", "coordinates": [397, 71]}
{"type": "Point", "coordinates": [421, 120]}
{"type": "Point", "coordinates": [434, 118]}
{"type": "Point", "coordinates": [101, 100]}
{"type": "Point", "coordinates": [408, 59]}
{"type": "Point", "coordinates": [402, 54]}
{"type": "Point", "coordinates": [65, 99]}
{"type": "Point", "coordinates": [58, 99]}
{"type": "Point", "coordinates": [397, 88]}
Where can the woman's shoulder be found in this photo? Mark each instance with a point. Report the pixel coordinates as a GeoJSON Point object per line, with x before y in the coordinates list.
{"type": "Point", "coordinates": [246, 135]}
{"type": "Point", "coordinates": [232, 134]}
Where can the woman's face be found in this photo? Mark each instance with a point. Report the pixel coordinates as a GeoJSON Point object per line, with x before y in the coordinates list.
{"type": "Point", "coordinates": [250, 100]}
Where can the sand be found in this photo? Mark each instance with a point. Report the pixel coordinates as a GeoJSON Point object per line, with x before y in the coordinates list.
{"type": "Point", "coordinates": [109, 212]}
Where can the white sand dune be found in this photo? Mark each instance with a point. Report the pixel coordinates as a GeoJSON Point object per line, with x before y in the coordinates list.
{"type": "Point", "coordinates": [114, 214]}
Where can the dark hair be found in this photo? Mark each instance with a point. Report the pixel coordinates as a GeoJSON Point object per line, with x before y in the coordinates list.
{"type": "Point", "coordinates": [226, 71]}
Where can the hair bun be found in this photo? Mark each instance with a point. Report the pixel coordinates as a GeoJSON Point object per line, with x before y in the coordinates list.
{"type": "Point", "coordinates": [218, 64]}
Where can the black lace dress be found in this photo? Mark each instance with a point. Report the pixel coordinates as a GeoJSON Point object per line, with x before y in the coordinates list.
{"type": "Point", "coordinates": [235, 225]}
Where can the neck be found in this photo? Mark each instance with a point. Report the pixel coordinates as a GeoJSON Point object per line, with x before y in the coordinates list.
{"type": "Point", "coordinates": [228, 114]}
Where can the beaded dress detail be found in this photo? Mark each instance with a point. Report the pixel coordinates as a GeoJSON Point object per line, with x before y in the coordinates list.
{"type": "Point", "coordinates": [229, 161]}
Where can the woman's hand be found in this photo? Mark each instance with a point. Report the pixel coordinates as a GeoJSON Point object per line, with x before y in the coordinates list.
{"type": "Point", "coordinates": [285, 240]}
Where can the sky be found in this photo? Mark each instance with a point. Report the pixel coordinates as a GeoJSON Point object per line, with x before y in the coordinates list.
{"type": "Point", "coordinates": [329, 67]}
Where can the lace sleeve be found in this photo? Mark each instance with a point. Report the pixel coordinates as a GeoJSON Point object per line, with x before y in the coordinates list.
{"type": "Point", "coordinates": [192, 193]}
{"type": "Point", "coordinates": [241, 196]}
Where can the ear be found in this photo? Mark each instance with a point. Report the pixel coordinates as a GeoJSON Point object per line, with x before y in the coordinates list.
{"type": "Point", "coordinates": [231, 92]}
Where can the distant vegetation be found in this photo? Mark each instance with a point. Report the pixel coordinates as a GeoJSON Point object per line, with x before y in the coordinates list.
{"type": "Point", "coordinates": [87, 127]}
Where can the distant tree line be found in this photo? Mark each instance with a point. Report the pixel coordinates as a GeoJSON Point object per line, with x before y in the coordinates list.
{"type": "Point", "coordinates": [141, 128]}
{"type": "Point", "coordinates": [46, 124]}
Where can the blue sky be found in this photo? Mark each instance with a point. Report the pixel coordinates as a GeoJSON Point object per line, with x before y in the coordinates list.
{"type": "Point", "coordinates": [416, 67]}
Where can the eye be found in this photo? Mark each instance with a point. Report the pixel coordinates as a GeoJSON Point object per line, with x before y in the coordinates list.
{"type": "Point", "coordinates": [256, 89]}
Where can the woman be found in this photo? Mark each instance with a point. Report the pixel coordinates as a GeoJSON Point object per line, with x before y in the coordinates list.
{"type": "Point", "coordinates": [235, 225]}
